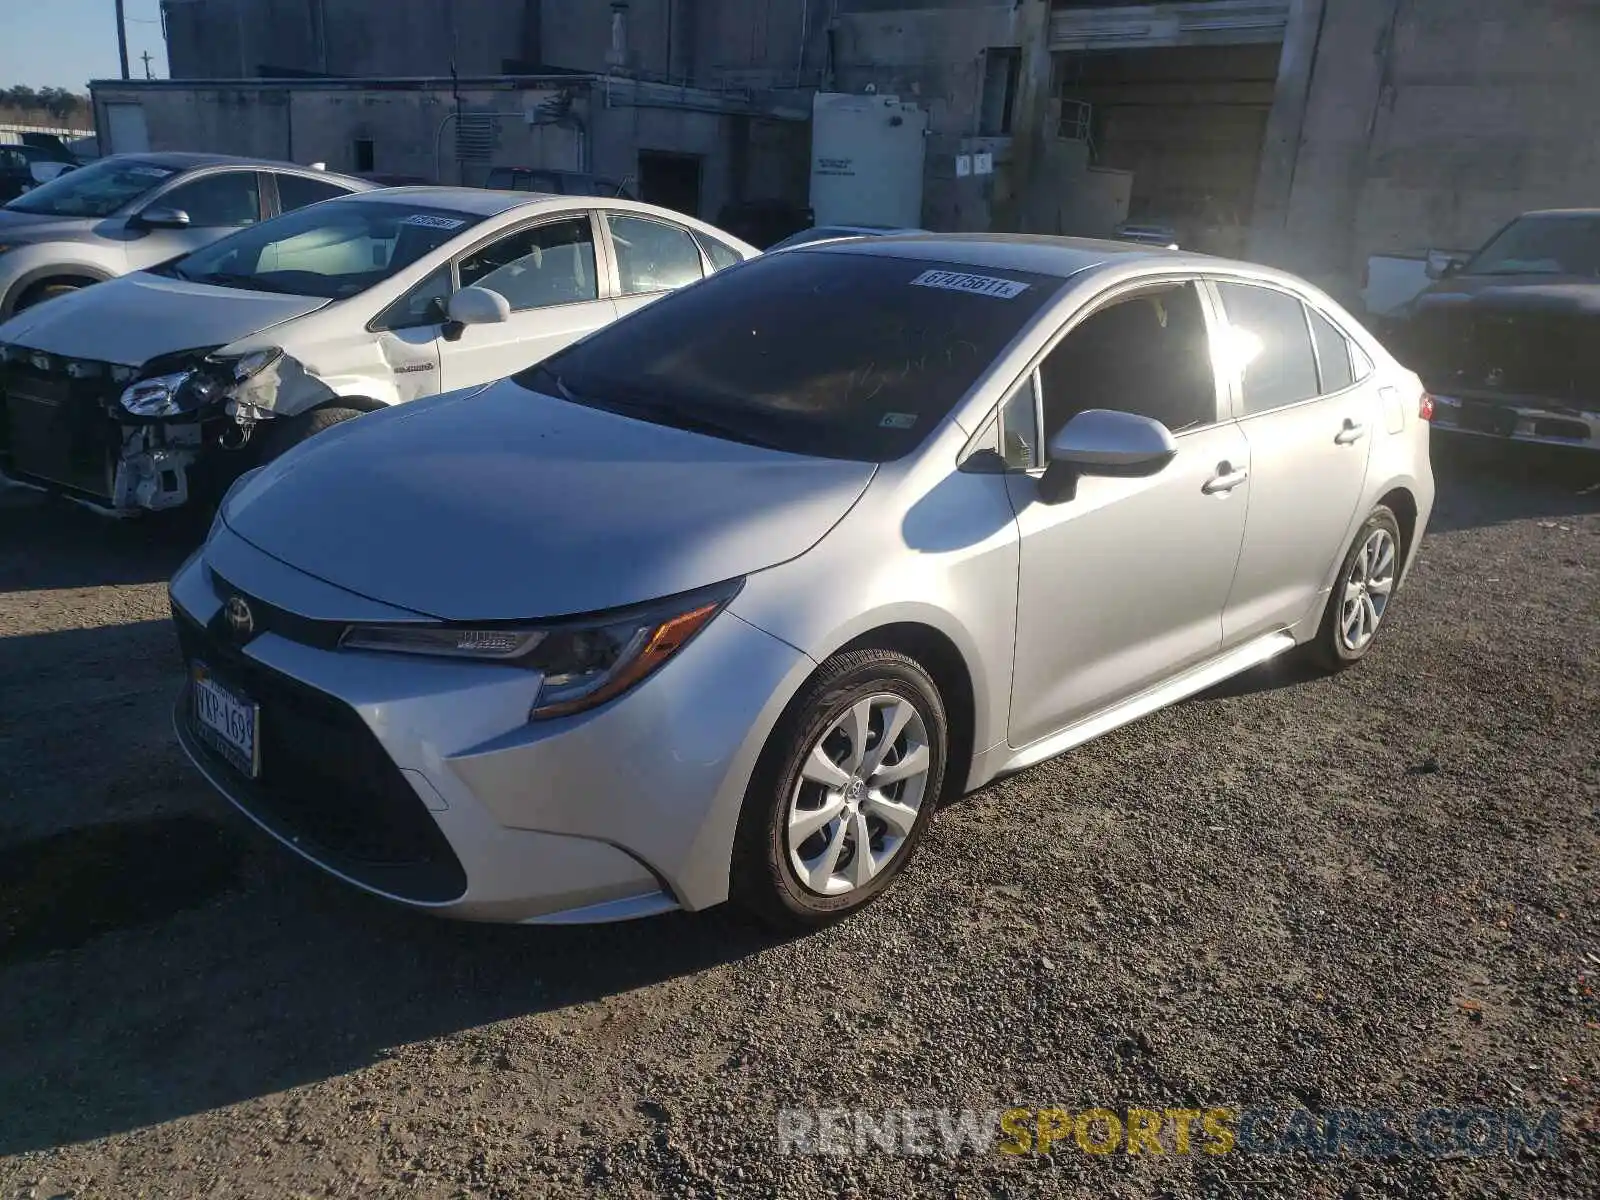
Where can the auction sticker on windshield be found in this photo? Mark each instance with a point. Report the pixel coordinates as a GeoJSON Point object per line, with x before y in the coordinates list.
{"type": "Point", "coordinates": [431, 222]}
{"type": "Point", "coordinates": [978, 285]}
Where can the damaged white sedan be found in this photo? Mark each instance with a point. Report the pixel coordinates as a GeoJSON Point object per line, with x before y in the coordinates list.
{"type": "Point", "coordinates": [144, 391]}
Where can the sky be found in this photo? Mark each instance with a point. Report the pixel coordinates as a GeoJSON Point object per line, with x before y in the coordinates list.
{"type": "Point", "coordinates": [66, 43]}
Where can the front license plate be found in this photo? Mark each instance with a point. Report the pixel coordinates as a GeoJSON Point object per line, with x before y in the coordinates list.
{"type": "Point", "coordinates": [226, 721]}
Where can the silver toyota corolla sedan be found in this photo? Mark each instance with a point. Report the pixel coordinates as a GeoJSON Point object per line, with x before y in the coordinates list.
{"type": "Point", "coordinates": [723, 599]}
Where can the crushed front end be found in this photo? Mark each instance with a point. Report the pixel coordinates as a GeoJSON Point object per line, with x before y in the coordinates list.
{"type": "Point", "coordinates": [125, 439]}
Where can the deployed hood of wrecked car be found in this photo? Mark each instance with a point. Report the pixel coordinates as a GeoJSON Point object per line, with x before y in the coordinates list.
{"type": "Point", "coordinates": [506, 504]}
{"type": "Point", "coordinates": [139, 317]}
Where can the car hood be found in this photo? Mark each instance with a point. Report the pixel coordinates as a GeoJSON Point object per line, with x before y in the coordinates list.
{"type": "Point", "coordinates": [41, 227]}
{"type": "Point", "coordinates": [1521, 293]}
{"type": "Point", "coordinates": [506, 504]}
{"type": "Point", "coordinates": [138, 317]}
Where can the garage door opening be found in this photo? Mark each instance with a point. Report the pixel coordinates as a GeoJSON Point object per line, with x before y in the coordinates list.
{"type": "Point", "coordinates": [670, 180]}
{"type": "Point", "coordinates": [1188, 122]}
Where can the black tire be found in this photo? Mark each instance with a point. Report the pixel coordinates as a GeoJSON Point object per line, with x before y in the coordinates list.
{"type": "Point", "coordinates": [764, 882]}
{"type": "Point", "coordinates": [36, 296]}
{"type": "Point", "coordinates": [1328, 649]}
{"type": "Point", "coordinates": [285, 433]}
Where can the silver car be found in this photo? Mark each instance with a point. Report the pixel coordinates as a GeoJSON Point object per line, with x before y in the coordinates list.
{"type": "Point", "coordinates": [722, 600]}
{"type": "Point", "coordinates": [133, 211]}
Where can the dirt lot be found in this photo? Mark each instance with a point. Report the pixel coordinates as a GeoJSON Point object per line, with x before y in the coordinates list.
{"type": "Point", "coordinates": [1371, 891]}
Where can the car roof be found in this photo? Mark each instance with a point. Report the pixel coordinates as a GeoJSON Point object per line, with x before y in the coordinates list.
{"type": "Point", "coordinates": [184, 161]}
{"type": "Point", "coordinates": [1564, 212]}
{"type": "Point", "coordinates": [1039, 253]}
{"type": "Point", "coordinates": [481, 202]}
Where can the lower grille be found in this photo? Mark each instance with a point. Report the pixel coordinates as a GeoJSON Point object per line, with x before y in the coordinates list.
{"type": "Point", "coordinates": [326, 784]}
{"type": "Point", "coordinates": [55, 434]}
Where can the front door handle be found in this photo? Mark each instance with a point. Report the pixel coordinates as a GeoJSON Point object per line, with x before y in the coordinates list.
{"type": "Point", "coordinates": [1351, 433]}
{"type": "Point", "coordinates": [1225, 480]}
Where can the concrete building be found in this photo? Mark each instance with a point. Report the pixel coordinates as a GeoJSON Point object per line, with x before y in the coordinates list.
{"type": "Point", "coordinates": [1310, 133]}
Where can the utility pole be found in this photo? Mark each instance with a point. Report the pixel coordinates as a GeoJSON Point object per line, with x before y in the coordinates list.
{"type": "Point", "coordinates": [122, 38]}
{"type": "Point", "coordinates": [148, 74]}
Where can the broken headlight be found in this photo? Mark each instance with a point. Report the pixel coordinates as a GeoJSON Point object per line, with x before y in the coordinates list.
{"type": "Point", "coordinates": [584, 663]}
{"type": "Point", "coordinates": [158, 396]}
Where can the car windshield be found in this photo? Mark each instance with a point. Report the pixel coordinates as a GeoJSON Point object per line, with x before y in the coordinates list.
{"type": "Point", "coordinates": [823, 353]}
{"type": "Point", "coordinates": [1542, 246]}
{"type": "Point", "coordinates": [97, 190]}
{"type": "Point", "coordinates": [335, 249]}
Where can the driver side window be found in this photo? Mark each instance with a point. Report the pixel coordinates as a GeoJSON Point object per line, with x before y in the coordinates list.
{"type": "Point", "coordinates": [227, 201]}
{"type": "Point", "coordinates": [1146, 353]}
{"type": "Point", "coordinates": [547, 265]}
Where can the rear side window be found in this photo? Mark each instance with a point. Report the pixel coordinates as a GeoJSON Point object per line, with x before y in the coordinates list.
{"type": "Point", "coordinates": [1333, 354]}
{"type": "Point", "coordinates": [722, 256]}
{"type": "Point", "coordinates": [296, 191]}
{"type": "Point", "coordinates": [1270, 343]}
{"type": "Point", "coordinates": [652, 256]}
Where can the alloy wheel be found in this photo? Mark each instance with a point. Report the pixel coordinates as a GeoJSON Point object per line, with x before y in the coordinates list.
{"type": "Point", "coordinates": [1367, 588]}
{"type": "Point", "coordinates": [858, 795]}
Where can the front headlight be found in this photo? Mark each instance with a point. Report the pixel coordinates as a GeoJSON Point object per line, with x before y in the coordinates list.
{"type": "Point", "coordinates": [156, 397]}
{"type": "Point", "coordinates": [584, 663]}
{"type": "Point", "coordinates": [246, 366]}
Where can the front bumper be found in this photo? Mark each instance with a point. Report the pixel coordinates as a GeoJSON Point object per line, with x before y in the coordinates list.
{"type": "Point", "coordinates": [422, 781]}
{"type": "Point", "coordinates": [1517, 420]}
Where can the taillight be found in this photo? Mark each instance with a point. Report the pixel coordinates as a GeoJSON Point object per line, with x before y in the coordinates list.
{"type": "Point", "coordinates": [1425, 407]}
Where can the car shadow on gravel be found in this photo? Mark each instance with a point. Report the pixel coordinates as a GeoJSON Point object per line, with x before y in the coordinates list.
{"type": "Point", "coordinates": [253, 981]}
{"type": "Point", "coordinates": [1481, 483]}
{"type": "Point", "coordinates": [47, 543]}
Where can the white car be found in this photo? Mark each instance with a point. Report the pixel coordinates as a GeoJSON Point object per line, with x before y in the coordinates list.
{"type": "Point", "coordinates": [135, 393]}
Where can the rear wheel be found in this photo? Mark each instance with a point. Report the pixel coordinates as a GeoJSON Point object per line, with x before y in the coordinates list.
{"type": "Point", "coordinates": [285, 433]}
{"type": "Point", "coordinates": [1361, 593]}
{"type": "Point", "coordinates": [843, 792]}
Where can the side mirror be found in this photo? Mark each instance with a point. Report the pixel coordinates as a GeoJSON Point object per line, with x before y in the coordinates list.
{"type": "Point", "coordinates": [1100, 441]}
{"type": "Point", "coordinates": [1441, 265]}
{"type": "Point", "coordinates": [162, 218]}
{"type": "Point", "coordinates": [474, 306]}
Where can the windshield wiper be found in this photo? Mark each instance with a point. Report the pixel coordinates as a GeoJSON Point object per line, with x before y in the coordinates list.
{"type": "Point", "coordinates": [658, 413]}
{"type": "Point", "coordinates": [253, 283]}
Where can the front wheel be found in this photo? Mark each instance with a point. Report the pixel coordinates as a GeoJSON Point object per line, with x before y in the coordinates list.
{"type": "Point", "coordinates": [843, 792]}
{"type": "Point", "coordinates": [1361, 593]}
{"type": "Point", "coordinates": [285, 433]}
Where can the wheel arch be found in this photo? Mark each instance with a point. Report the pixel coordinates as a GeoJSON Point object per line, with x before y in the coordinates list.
{"type": "Point", "coordinates": [1400, 501]}
{"type": "Point", "coordinates": [79, 274]}
{"type": "Point", "coordinates": [939, 655]}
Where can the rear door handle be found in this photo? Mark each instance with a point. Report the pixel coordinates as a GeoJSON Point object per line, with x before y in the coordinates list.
{"type": "Point", "coordinates": [1225, 480]}
{"type": "Point", "coordinates": [1351, 433]}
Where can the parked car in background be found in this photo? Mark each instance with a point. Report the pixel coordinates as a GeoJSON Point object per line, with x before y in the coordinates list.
{"type": "Point", "coordinates": [556, 183]}
{"type": "Point", "coordinates": [131, 211]}
{"type": "Point", "coordinates": [131, 393]}
{"type": "Point", "coordinates": [1508, 339]}
{"type": "Point", "coordinates": [24, 167]}
{"type": "Point", "coordinates": [725, 599]}
{"type": "Point", "coordinates": [827, 233]}
{"type": "Point", "coordinates": [764, 223]}
{"type": "Point", "coordinates": [1148, 234]}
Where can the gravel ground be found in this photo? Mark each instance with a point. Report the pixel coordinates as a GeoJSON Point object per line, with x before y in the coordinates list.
{"type": "Point", "coordinates": [1371, 891]}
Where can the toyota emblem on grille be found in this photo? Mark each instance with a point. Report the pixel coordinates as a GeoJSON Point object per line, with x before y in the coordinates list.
{"type": "Point", "coordinates": [240, 619]}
